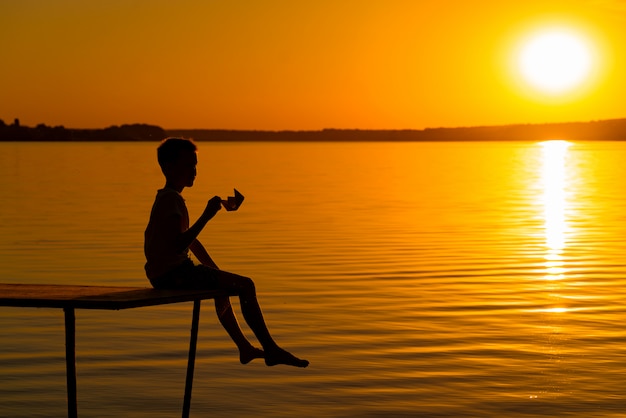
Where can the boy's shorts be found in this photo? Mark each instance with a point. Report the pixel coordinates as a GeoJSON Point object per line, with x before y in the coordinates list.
{"type": "Point", "coordinates": [188, 276]}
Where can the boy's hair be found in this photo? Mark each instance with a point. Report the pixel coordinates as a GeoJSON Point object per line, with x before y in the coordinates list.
{"type": "Point", "coordinates": [170, 149]}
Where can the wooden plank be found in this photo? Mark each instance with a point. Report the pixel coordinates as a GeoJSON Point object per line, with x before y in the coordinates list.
{"type": "Point", "coordinates": [95, 297]}
{"type": "Point", "coordinates": [70, 297]}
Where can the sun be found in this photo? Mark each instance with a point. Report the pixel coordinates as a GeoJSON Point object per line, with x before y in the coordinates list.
{"type": "Point", "coordinates": [555, 61]}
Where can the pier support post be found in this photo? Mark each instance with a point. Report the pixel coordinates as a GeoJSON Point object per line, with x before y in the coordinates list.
{"type": "Point", "coordinates": [70, 361]}
{"type": "Point", "coordinates": [192, 357]}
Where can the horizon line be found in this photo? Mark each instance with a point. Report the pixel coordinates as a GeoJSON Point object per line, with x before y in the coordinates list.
{"type": "Point", "coordinates": [387, 129]}
{"type": "Point", "coordinates": [327, 128]}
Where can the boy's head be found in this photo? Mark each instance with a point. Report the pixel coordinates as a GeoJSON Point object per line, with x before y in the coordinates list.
{"type": "Point", "coordinates": [171, 148]}
{"type": "Point", "coordinates": [177, 158]}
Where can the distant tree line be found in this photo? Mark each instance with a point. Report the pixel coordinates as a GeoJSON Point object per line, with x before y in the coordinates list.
{"type": "Point", "coordinates": [606, 130]}
{"type": "Point", "coordinates": [42, 132]}
{"type": "Point", "coordinates": [603, 130]}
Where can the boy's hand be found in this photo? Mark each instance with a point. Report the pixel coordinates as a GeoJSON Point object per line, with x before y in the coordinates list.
{"type": "Point", "coordinates": [213, 206]}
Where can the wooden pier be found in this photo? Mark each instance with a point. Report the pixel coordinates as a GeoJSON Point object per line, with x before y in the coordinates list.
{"type": "Point", "coordinates": [69, 298]}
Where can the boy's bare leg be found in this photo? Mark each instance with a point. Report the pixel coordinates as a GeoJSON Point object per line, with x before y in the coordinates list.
{"type": "Point", "coordinates": [245, 289]}
{"type": "Point", "coordinates": [247, 352]}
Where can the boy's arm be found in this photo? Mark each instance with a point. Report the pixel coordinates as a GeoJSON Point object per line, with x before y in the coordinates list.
{"type": "Point", "coordinates": [187, 238]}
{"type": "Point", "coordinates": [201, 254]}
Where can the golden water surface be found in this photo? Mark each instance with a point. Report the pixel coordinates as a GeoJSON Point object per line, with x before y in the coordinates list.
{"type": "Point", "coordinates": [420, 279]}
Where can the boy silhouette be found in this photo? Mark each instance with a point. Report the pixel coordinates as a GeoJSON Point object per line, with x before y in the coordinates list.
{"type": "Point", "coordinates": [168, 239]}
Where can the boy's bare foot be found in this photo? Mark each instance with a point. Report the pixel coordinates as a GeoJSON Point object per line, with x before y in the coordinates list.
{"type": "Point", "coordinates": [247, 355]}
{"type": "Point", "coordinates": [281, 356]}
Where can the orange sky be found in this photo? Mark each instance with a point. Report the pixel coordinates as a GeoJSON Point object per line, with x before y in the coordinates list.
{"type": "Point", "coordinates": [274, 65]}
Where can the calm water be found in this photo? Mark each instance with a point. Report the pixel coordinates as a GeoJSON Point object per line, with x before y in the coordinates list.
{"type": "Point", "coordinates": [438, 280]}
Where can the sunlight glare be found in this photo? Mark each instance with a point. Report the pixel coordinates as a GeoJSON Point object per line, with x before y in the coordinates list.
{"type": "Point", "coordinates": [556, 310]}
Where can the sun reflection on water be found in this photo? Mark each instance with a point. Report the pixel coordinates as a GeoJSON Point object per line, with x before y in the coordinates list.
{"type": "Point", "coordinates": [554, 182]}
{"type": "Point", "coordinates": [555, 199]}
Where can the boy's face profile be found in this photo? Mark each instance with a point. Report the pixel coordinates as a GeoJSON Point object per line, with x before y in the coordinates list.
{"type": "Point", "coordinates": [182, 171]}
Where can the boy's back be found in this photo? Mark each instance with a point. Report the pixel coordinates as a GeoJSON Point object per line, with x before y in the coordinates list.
{"type": "Point", "coordinates": [159, 249]}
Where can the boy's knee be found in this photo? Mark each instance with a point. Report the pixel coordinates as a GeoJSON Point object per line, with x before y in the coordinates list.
{"type": "Point", "coordinates": [237, 283]}
{"type": "Point", "coordinates": [248, 283]}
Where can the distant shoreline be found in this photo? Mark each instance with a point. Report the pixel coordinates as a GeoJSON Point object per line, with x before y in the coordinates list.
{"type": "Point", "coordinates": [603, 130]}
